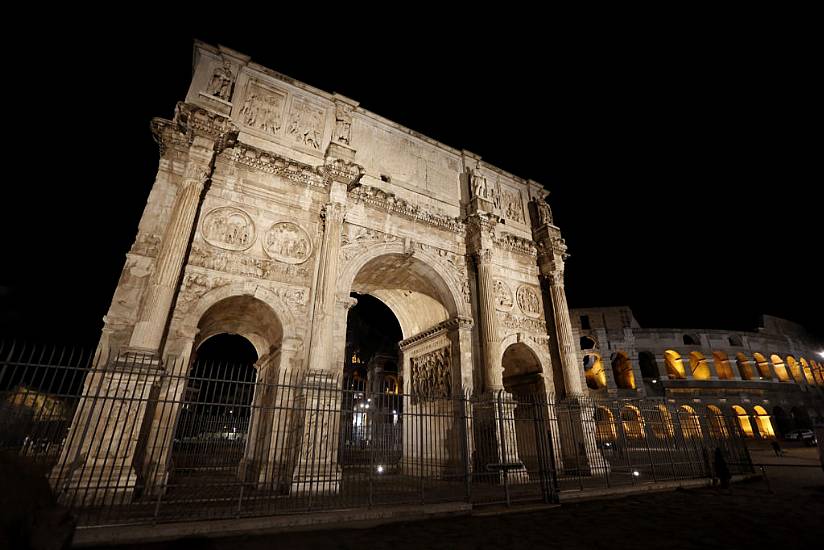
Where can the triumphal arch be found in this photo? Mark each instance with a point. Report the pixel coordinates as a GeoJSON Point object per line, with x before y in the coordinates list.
{"type": "Point", "coordinates": [274, 207]}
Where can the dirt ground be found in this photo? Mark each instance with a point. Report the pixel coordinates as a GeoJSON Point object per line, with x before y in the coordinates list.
{"type": "Point", "coordinates": [787, 512]}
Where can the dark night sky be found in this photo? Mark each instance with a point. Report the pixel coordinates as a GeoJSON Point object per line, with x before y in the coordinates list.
{"type": "Point", "coordinates": [682, 165]}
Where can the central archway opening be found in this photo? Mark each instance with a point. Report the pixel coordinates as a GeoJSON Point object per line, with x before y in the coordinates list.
{"type": "Point", "coordinates": [397, 415]}
{"type": "Point", "coordinates": [372, 382]}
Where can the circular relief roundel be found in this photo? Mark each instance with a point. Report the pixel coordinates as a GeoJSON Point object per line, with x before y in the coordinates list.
{"type": "Point", "coordinates": [528, 301]}
{"type": "Point", "coordinates": [228, 228]}
{"type": "Point", "coordinates": [288, 243]}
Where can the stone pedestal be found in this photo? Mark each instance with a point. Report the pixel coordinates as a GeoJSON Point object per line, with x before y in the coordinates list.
{"type": "Point", "coordinates": [317, 471]}
{"type": "Point", "coordinates": [578, 443]}
{"type": "Point", "coordinates": [97, 466]}
{"type": "Point", "coordinates": [496, 439]}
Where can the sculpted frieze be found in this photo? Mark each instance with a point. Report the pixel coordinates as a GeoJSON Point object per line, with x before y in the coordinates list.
{"type": "Point", "coordinates": [241, 264]}
{"type": "Point", "coordinates": [270, 163]}
{"type": "Point", "coordinates": [431, 376]}
{"type": "Point", "coordinates": [518, 323]}
{"type": "Point", "coordinates": [195, 285]}
{"type": "Point", "coordinates": [360, 239]}
{"type": "Point", "coordinates": [528, 300]}
{"type": "Point", "coordinates": [294, 298]}
{"type": "Point", "coordinates": [516, 244]}
{"type": "Point", "coordinates": [263, 108]}
{"type": "Point", "coordinates": [288, 242]}
{"type": "Point", "coordinates": [453, 261]}
{"type": "Point", "coordinates": [306, 123]}
{"type": "Point", "coordinates": [228, 228]}
{"type": "Point", "coordinates": [388, 202]}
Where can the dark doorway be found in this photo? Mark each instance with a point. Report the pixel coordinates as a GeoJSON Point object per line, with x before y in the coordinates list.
{"type": "Point", "coordinates": [215, 413]}
{"type": "Point", "coordinates": [372, 387]}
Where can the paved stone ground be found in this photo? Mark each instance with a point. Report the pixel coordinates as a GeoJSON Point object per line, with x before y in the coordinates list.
{"type": "Point", "coordinates": [749, 516]}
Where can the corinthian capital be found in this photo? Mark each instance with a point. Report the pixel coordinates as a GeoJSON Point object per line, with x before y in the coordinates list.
{"type": "Point", "coordinates": [196, 173]}
{"type": "Point", "coordinates": [333, 212]}
{"type": "Point", "coordinates": [556, 278]}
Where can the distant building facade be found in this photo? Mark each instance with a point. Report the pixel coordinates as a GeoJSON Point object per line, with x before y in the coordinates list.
{"type": "Point", "coordinates": [771, 379]}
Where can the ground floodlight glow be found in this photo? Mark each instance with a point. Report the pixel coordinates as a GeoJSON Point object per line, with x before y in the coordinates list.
{"type": "Point", "coordinates": [636, 473]}
{"type": "Point", "coordinates": [380, 468]}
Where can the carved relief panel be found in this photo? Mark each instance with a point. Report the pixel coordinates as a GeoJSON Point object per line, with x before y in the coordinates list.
{"type": "Point", "coordinates": [263, 108]}
{"type": "Point", "coordinates": [306, 123]}
{"type": "Point", "coordinates": [512, 207]}
{"type": "Point", "coordinates": [288, 242]}
{"type": "Point", "coordinates": [503, 296]}
{"type": "Point", "coordinates": [228, 228]}
{"type": "Point", "coordinates": [431, 375]}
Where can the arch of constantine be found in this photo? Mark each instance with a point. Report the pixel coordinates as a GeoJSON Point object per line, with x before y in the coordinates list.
{"type": "Point", "coordinates": [290, 219]}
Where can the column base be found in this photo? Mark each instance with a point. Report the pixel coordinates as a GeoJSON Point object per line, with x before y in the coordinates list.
{"type": "Point", "coordinates": [310, 483]}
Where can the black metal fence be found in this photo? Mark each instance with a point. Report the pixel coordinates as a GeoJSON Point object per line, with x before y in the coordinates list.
{"type": "Point", "coordinates": [129, 439]}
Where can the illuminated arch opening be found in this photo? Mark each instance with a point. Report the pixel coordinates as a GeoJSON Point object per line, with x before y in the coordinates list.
{"type": "Point", "coordinates": [780, 368]}
{"type": "Point", "coordinates": [699, 366]}
{"type": "Point", "coordinates": [763, 366]}
{"type": "Point", "coordinates": [604, 425]}
{"type": "Point", "coordinates": [795, 369]}
{"type": "Point", "coordinates": [631, 422]}
{"type": "Point", "coordinates": [817, 374]}
{"type": "Point", "coordinates": [762, 420]}
{"type": "Point", "coordinates": [622, 371]}
{"type": "Point", "coordinates": [596, 377]}
{"type": "Point", "coordinates": [675, 366]}
{"type": "Point", "coordinates": [660, 422]}
{"type": "Point", "coordinates": [745, 369]}
{"type": "Point", "coordinates": [690, 424]}
{"type": "Point", "coordinates": [722, 365]}
{"type": "Point", "coordinates": [718, 427]}
{"type": "Point", "coordinates": [808, 373]}
{"type": "Point", "coordinates": [743, 421]}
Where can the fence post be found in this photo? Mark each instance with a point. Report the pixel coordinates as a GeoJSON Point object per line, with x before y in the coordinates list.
{"type": "Point", "coordinates": [502, 439]}
{"type": "Point", "coordinates": [464, 399]}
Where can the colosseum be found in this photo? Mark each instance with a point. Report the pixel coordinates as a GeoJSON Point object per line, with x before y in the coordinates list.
{"type": "Point", "coordinates": [771, 379]}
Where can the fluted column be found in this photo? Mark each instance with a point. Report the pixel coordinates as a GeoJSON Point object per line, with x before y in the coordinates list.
{"type": "Point", "coordinates": [148, 331]}
{"type": "Point", "coordinates": [490, 340]}
{"type": "Point", "coordinates": [323, 325]}
{"type": "Point", "coordinates": [566, 341]}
